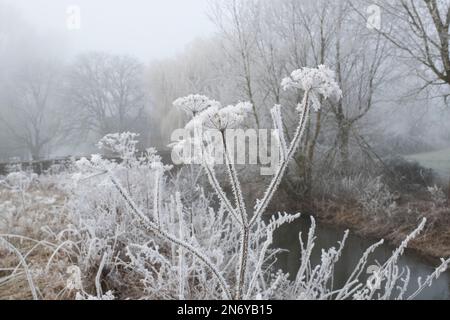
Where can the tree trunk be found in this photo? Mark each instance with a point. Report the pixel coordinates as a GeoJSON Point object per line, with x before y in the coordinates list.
{"type": "Point", "coordinates": [35, 153]}
{"type": "Point", "coordinates": [343, 143]}
{"type": "Point", "coordinates": [310, 153]}
{"type": "Point", "coordinates": [448, 194]}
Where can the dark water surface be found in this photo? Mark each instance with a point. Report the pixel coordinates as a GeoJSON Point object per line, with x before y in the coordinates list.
{"type": "Point", "coordinates": [287, 238]}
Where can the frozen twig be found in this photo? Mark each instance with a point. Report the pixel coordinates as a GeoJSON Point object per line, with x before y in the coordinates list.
{"type": "Point", "coordinates": [168, 237]}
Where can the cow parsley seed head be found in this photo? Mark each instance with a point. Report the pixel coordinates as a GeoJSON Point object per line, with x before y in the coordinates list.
{"type": "Point", "coordinates": [123, 144]}
{"type": "Point", "coordinates": [316, 81]}
{"type": "Point", "coordinates": [221, 118]}
{"type": "Point", "coordinates": [194, 103]}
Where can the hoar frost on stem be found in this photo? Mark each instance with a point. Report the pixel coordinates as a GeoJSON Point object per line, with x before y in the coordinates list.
{"type": "Point", "coordinates": [314, 83]}
{"type": "Point", "coordinates": [241, 261]}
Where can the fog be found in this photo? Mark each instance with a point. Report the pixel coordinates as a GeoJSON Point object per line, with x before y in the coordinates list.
{"type": "Point", "coordinates": [148, 29]}
{"type": "Point", "coordinates": [175, 48]}
{"type": "Point", "coordinates": [154, 149]}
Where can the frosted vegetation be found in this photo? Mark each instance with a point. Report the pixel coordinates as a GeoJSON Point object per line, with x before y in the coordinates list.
{"type": "Point", "coordinates": [135, 229]}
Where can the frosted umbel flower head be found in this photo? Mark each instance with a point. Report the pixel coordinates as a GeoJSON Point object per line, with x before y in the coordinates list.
{"type": "Point", "coordinates": [194, 103]}
{"type": "Point", "coordinates": [124, 144]}
{"type": "Point", "coordinates": [316, 81]}
{"type": "Point", "coordinates": [218, 118]}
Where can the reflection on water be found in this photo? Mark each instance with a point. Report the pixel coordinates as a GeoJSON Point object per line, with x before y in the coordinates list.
{"type": "Point", "coordinates": [327, 237]}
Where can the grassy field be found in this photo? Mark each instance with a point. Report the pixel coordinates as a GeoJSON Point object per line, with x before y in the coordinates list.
{"type": "Point", "coordinates": [439, 161]}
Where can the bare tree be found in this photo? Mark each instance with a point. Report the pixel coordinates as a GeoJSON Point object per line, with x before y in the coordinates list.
{"type": "Point", "coordinates": [202, 68]}
{"type": "Point", "coordinates": [31, 115]}
{"type": "Point", "coordinates": [419, 29]}
{"type": "Point", "coordinates": [106, 92]}
{"type": "Point", "coordinates": [324, 32]}
{"type": "Point", "coordinates": [238, 23]}
{"type": "Point", "coordinates": [311, 23]}
{"type": "Point", "coordinates": [362, 67]}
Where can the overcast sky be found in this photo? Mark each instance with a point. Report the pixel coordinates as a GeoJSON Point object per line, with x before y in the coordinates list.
{"type": "Point", "coordinates": [148, 29]}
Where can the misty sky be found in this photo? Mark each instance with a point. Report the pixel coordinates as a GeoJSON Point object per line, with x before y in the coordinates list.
{"type": "Point", "coordinates": [148, 29]}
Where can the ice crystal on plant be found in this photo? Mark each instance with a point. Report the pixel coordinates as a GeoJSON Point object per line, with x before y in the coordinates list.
{"type": "Point", "coordinates": [221, 119]}
{"type": "Point", "coordinates": [315, 81]}
{"type": "Point", "coordinates": [123, 144]}
{"type": "Point", "coordinates": [132, 226]}
{"type": "Point", "coordinates": [108, 296]}
{"type": "Point", "coordinates": [20, 181]}
{"type": "Point", "coordinates": [74, 281]}
{"type": "Point", "coordinates": [194, 103]}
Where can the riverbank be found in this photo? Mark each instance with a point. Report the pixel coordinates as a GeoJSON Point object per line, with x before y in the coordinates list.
{"type": "Point", "coordinates": [432, 244]}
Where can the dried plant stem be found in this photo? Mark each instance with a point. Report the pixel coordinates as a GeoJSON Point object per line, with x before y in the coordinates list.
{"type": "Point", "coordinates": [168, 237]}
{"type": "Point", "coordinates": [235, 184]}
{"type": "Point", "coordinates": [25, 266]}
{"type": "Point", "coordinates": [262, 206]}
{"type": "Point", "coordinates": [242, 269]}
{"type": "Point", "coordinates": [98, 285]}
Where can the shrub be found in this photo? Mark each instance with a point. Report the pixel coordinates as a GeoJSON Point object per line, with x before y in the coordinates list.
{"type": "Point", "coordinates": [407, 175]}
{"type": "Point", "coordinates": [376, 198]}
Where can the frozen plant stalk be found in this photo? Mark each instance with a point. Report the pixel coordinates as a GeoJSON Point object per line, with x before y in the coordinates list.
{"type": "Point", "coordinates": [245, 273]}
{"type": "Point", "coordinates": [313, 83]}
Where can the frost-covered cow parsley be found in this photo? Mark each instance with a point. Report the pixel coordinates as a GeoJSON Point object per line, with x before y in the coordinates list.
{"type": "Point", "coordinates": [218, 118]}
{"type": "Point", "coordinates": [316, 81]}
{"type": "Point", "coordinates": [20, 181]}
{"type": "Point", "coordinates": [123, 144]}
{"type": "Point", "coordinates": [194, 103]}
{"type": "Point", "coordinates": [144, 234]}
{"type": "Point", "coordinates": [205, 132]}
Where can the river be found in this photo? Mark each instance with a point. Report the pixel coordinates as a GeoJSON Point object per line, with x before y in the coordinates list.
{"type": "Point", "coordinates": [327, 237]}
